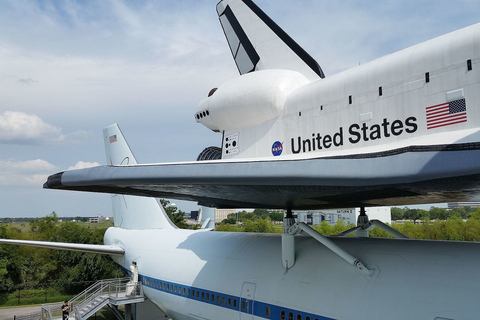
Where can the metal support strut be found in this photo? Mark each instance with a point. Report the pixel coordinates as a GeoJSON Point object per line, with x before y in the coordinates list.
{"type": "Point", "coordinates": [288, 242]}
{"type": "Point", "coordinates": [364, 226]}
{"type": "Point", "coordinates": [290, 229]}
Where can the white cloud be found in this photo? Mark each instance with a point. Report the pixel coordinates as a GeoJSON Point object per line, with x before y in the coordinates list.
{"type": "Point", "coordinates": [25, 173]}
{"type": "Point", "coordinates": [82, 165]}
{"type": "Point", "coordinates": [22, 128]}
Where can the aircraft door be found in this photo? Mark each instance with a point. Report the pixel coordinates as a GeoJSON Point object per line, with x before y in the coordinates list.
{"type": "Point", "coordinates": [246, 300]}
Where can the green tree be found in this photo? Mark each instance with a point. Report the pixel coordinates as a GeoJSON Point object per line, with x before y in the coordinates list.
{"type": "Point", "coordinates": [244, 215]}
{"type": "Point", "coordinates": [276, 216]}
{"type": "Point", "coordinates": [416, 214]}
{"type": "Point", "coordinates": [438, 213]}
{"type": "Point", "coordinates": [261, 213]}
{"type": "Point", "coordinates": [397, 213]}
{"type": "Point", "coordinates": [173, 215]}
{"type": "Point", "coordinates": [231, 219]}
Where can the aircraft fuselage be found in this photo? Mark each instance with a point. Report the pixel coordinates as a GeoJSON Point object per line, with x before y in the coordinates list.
{"type": "Point", "coordinates": [219, 275]}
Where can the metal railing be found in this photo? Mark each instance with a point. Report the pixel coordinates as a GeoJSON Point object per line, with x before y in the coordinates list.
{"type": "Point", "coordinates": [100, 293]}
{"type": "Point", "coordinates": [29, 316]}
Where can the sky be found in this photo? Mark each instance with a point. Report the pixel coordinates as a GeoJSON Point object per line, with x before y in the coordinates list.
{"type": "Point", "coordinates": [70, 68]}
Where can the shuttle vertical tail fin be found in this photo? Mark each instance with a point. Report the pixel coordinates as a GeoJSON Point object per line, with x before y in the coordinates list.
{"type": "Point", "coordinates": [131, 212]}
{"type": "Point", "coordinates": [258, 43]}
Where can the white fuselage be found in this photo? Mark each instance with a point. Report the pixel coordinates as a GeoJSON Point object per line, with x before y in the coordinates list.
{"type": "Point", "coordinates": [377, 106]}
{"type": "Point", "coordinates": [218, 275]}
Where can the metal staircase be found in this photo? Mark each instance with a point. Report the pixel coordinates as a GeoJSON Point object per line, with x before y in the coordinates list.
{"type": "Point", "coordinates": [113, 292]}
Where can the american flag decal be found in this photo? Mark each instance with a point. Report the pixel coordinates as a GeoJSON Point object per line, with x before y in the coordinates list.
{"type": "Point", "coordinates": [113, 138]}
{"type": "Point", "coordinates": [446, 114]}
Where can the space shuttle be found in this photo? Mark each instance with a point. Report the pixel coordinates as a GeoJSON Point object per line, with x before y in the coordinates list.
{"type": "Point", "coordinates": [402, 129]}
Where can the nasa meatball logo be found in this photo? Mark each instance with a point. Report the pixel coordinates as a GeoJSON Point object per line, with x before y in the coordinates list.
{"type": "Point", "coordinates": [277, 148]}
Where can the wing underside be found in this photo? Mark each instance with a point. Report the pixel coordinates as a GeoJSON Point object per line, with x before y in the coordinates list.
{"type": "Point", "coordinates": [375, 180]}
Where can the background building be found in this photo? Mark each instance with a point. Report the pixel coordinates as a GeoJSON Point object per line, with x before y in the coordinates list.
{"type": "Point", "coordinates": [348, 215]}
{"type": "Point", "coordinates": [221, 214]}
{"type": "Point", "coordinates": [452, 205]}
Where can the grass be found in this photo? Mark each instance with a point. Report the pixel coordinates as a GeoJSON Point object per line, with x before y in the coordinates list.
{"type": "Point", "coordinates": [31, 297]}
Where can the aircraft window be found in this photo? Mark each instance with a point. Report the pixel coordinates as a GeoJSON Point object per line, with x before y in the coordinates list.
{"type": "Point", "coordinates": [267, 312]}
{"type": "Point", "coordinates": [469, 64]}
{"type": "Point", "coordinates": [218, 299]}
{"type": "Point", "coordinates": [223, 300]}
{"type": "Point", "coordinates": [203, 295]}
{"type": "Point", "coordinates": [290, 316]}
{"type": "Point", "coordinates": [243, 304]}
{"type": "Point", "coordinates": [198, 117]}
{"type": "Point", "coordinates": [208, 296]}
{"type": "Point", "coordinates": [380, 91]}
{"type": "Point", "coordinates": [213, 297]}
{"type": "Point", "coordinates": [168, 287]}
{"type": "Point", "coordinates": [183, 291]}
{"type": "Point", "coordinates": [427, 77]}
{"type": "Point", "coordinates": [188, 292]}
{"type": "Point", "coordinates": [163, 285]}
{"type": "Point", "coordinates": [198, 294]}
{"type": "Point", "coordinates": [229, 302]}
{"type": "Point", "coordinates": [175, 289]}
{"type": "Point", "coordinates": [299, 317]}
{"type": "Point", "coordinates": [321, 108]}
{"type": "Point", "coordinates": [282, 314]}
{"type": "Point", "coordinates": [234, 303]}
{"type": "Point", "coordinates": [307, 318]}
{"type": "Point", "coordinates": [208, 113]}
{"type": "Point", "coordinates": [300, 113]}
{"type": "Point", "coordinates": [350, 99]}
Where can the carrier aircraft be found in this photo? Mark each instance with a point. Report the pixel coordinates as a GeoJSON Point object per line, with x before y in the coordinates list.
{"type": "Point", "coordinates": [403, 129]}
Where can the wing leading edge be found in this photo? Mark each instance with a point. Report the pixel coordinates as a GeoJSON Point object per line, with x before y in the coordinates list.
{"type": "Point", "coordinates": [92, 248]}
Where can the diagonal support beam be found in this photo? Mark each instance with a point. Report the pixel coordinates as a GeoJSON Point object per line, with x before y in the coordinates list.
{"type": "Point", "coordinates": [301, 226]}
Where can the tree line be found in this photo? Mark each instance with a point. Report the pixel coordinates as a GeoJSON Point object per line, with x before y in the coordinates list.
{"type": "Point", "coordinates": [434, 213]}
{"type": "Point", "coordinates": [68, 271]}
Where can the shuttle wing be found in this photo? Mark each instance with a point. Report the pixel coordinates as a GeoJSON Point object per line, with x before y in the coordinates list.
{"type": "Point", "coordinates": [92, 248]}
{"type": "Point", "coordinates": [335, 182]}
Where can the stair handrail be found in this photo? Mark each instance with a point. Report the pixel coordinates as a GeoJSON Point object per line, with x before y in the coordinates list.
{"type": "Point", "coordinates": [96, 284]}
{"type": "Point", "coordinates": [112, 288]}
{"type": "Point", "coordinates": [93, 292]}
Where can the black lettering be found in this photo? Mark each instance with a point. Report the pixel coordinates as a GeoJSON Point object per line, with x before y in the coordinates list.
{"type": "Point", "coordinates": [327, 141]}
{"type": "Point", "coordinates": [338, 138]}
{"type": "Point", "coordinates": [293, 146]}
{"type": "Point", "coordinates": [385, 124]}
{"type": "Point", "coordinates": [313, 141]}
{"type": "Point", "coordinates": [397, 127]}
{"type": "Point", "coordinates": [305, 143]}
{"type": "Point", "coordinates": [411, 125]}
{"type": "Point", "coordinates": [375, 132]}
{"type": "Point", "coordinates": [319, 141]}
{"type": "Point", "coordinates": [364, 130]}
{"type": "Point", "coordinates": [352, 132]}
